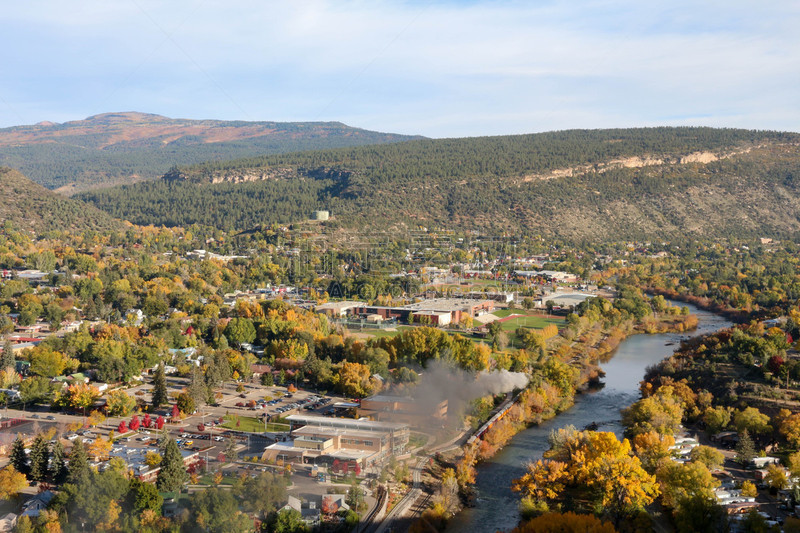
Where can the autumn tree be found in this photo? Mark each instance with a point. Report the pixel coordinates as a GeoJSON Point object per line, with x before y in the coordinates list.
{"type": "Point", "coordinates": [100, 448]}
{"type": "Point", "coordinates": [661, 412]}
{"type": "Point", "coordinates": [711, 457]}
{"type": "Point", "coordinates": [752, 420]}
{"type": "Point", "coordinates": [568, 522]}
{"type": "Point", "coordinates": [592, 465]}
{"type": "Point", "coordinates": [679, 482]}
{"type": "Point", "coordinates": [651, 447]}
{"type": "Point", "coordinates": [717, 419]}
{"type": "Point", "coordinates": [12, 483]}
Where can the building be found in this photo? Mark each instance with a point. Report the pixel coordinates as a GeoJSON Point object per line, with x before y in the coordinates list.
{"type": "Point", "coordinates": [338, 309]}
{"type": "Point", "coordinates": [402, 409]}
{"type": "Point", "coordinates": [457, 308]}
{"type": "Point", "coordinates": [323, 440]}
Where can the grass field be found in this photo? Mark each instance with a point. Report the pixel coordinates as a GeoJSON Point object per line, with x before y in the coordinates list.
{"type": "Point", "coordinates": [252, 424]}
{"type": "Point", "coordinates": [380, 333]}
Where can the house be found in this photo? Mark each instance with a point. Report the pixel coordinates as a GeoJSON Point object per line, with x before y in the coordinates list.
{"type": "Point", "coordinates": [8, 522]}
{"type": "Point", "coordinates": [33, 507]}
{"type": "Point", "coordinates": [309, 511]}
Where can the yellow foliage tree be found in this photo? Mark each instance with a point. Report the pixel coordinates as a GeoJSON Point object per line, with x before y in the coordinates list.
{"type": "Point", "coordinates": [11, 483]}
{"type": "Point", "coordinates": [99, 448]}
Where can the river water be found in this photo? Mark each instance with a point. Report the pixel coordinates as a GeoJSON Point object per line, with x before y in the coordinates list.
{"type": "Point", "coordinates": [496, 505]}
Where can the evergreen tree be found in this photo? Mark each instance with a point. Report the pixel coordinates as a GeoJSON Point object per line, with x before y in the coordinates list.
{"type": "Point", "coordinates": [18, 457]}
{"type": "Point", "coordinates": [172, 474]}
{"type": "Point", "coordinates": [745, 449]}
{"type": "Point", "coordinates": [40, 458]}
{"type": "Point", "coordinates": [230, 449]}
{"type": "Point", "coordinates": [57, 465]}
{"type": "Point", "coordinates": [160, 387]}
{"type": "Point", "coordinates": [7, 360]}
{"type": "Point", "coordinates": [197, 389]}
{"type": "Point", "coordinates": [78, 469]}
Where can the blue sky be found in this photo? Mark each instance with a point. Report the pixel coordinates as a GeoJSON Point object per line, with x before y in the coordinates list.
{"type": "Point", "coordinates": [441, 69]}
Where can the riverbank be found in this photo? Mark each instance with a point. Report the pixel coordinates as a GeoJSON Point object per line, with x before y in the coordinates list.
{"type": "Point", "coordinates": [576, 360]}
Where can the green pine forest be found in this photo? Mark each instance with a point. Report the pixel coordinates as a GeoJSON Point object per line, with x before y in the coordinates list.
{"type": "Point", "coordinates": [494, 184]}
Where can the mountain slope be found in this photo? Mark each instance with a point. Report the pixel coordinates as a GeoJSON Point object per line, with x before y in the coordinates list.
{"type": "Point", "coordinates": [29, 206]}
{"type": "Point", "coordinates": [126, 147]}
{"type": "Point", "coordinates": [578, 185]}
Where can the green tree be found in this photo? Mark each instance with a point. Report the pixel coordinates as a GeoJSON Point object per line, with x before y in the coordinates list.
{"type": "Point", "coordinates": [7, 360]}
{"type": "Point", "coordinates": [240, 331]}
{"type": "Point", "coordinates": [745, 449]}
{"type": "Point", "coordinates": [752, 420]}
{"type": "Point", "coordinates": [146, 496]}
{"type": "Point", "coordinates": [711, 457]}
{"type": "Point", "coordinates": [35, 389]}
{"type": "Point", "coordinates": [58, 464]}
{"type": "Point", "coordinates": [78, 469]}
{"type": "Point", "coordinates": [160, 396]}
{"type": "Point", "coordinates": [40, 458]}
{"type": "Point", "coordinates": [700, 514]}
{"type": "Point", "coordinates": [717, 419]}
{"type": "Point", "coordinates": [355, 498]}
{"type": "Point", "coordinates": [289, 521]}
{"type": "Point", "coordinates": [18, 458]}
{"type": "Point", "coordinates": [173, 474]}
{"type": "Point", "coordinates": [230, 449]}
{"type": "Point", "coordinates": [216, 510]}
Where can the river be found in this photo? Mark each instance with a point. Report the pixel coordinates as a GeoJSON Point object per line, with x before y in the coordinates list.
{"type": "Point", "coordinates": [496, 505]}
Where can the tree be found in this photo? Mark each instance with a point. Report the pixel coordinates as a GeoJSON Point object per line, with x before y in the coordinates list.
{"type": "Point", "coordinates": [7, 359]}
{"type": "Point", "coordinates": [749, 489]}
{"type": "Point", "coordinates": [48, 363]}
{"type": "Point", "coordinates": [240, 331]}
{"type": "Point", "coordinates": [711, 457]}
{"type": "Point", "coordinates": [651, 447]}
{"type": "Point", "coordinates": [745, 449]}
{"type": "Point", "coordinates": [18, 458]}
{"type": "Point", "coordinates": [701, 515]}
{"type": "Point", "coordinates": [717, 419]}
{"type": "Point", "coordinates": [355, 495]}
{"type": "Point", "coordinates": [152, 459]}
{"type": "Point", "coordinates": [568, 522]}
{"type": "Point", "coordinates": [160, 396]}
{"type": "Point", "coordinates": [58, 466]}
{"type": "Point", "coordinates": [594, 465]}
{"type": "Point", "coordinates": [289, 521]}
{"type": "Point", "coordinates": [134, 423]}
{"type": "Point", "coordinates": [40, 458]}
{"type": "Point", "coordinates": [329, 507]}
{"type": "Point", "coordinates": [12, 483]}
{"type": "Point", "coordinates": [185, 403]}
{"type": "Point", "coordinates": [99, 448]}
{"type": "Point", "coordinates": [176, 412]}
{"type": "Point", "coordinates": [146, 496]}
{"type": "Point", "coordinates": [262, 494]}
{"type": "Point", "coordinates": [662, 412]}
{"type": "Point", "coordinates": [679, 482]}
{"type": "Point", "coordinates": [120, 403]}
{"type": "Point", "coordinates": [172, 474]}
{"type": "Point", "coordinates": [230, 449]}
{"type": "Point", "coordinates": [752, 420]}
{"type": "Point", "coordinates": [35, 389]}
{"type": "Point", "coordinates": [217, 510]}
{"type": "Point", "coordinates": [78, 469]}
{"type": "Point", "coordinates": [197, 390]}
{"type": "Point", "coordinates": [122, 427]}
{"type": "Point", "coordinates": [96, 418]}
{"type": "Point", "coordinates": [776, 477]}
{"type": "Point", "coordinates": [160, 422]}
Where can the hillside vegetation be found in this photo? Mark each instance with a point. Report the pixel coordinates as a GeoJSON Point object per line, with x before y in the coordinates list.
{"type": "Point", "coordinates": [115, 148]}
{"type": "Point", "coordinates": [578, 185]}
{"type": "Point", "coordinates": [29, 206]}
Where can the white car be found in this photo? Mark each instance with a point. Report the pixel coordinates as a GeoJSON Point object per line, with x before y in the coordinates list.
{"type": "Point", "coordinates": [218, 439]}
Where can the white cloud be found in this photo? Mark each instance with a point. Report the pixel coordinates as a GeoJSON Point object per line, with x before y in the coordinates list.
{"type": "Point", "coordinates": [436, 68]}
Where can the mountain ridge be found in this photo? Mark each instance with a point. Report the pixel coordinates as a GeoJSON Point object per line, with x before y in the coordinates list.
{"type": "Point", "coordinates": [737, 182]}
{"type": "Point", "coordinates": [120, 147]}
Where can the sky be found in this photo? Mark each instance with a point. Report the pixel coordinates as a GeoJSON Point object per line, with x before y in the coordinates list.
{"type": "Point", "coordinates": [434, 68]}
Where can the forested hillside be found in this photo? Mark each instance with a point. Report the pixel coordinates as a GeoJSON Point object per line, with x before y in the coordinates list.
{"type": "Point", "coordinates": [118, 148]}
{"type": "Point", "coordinates": [579, 185]}
{"type": "Point", "coordinates": [29, 206]}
